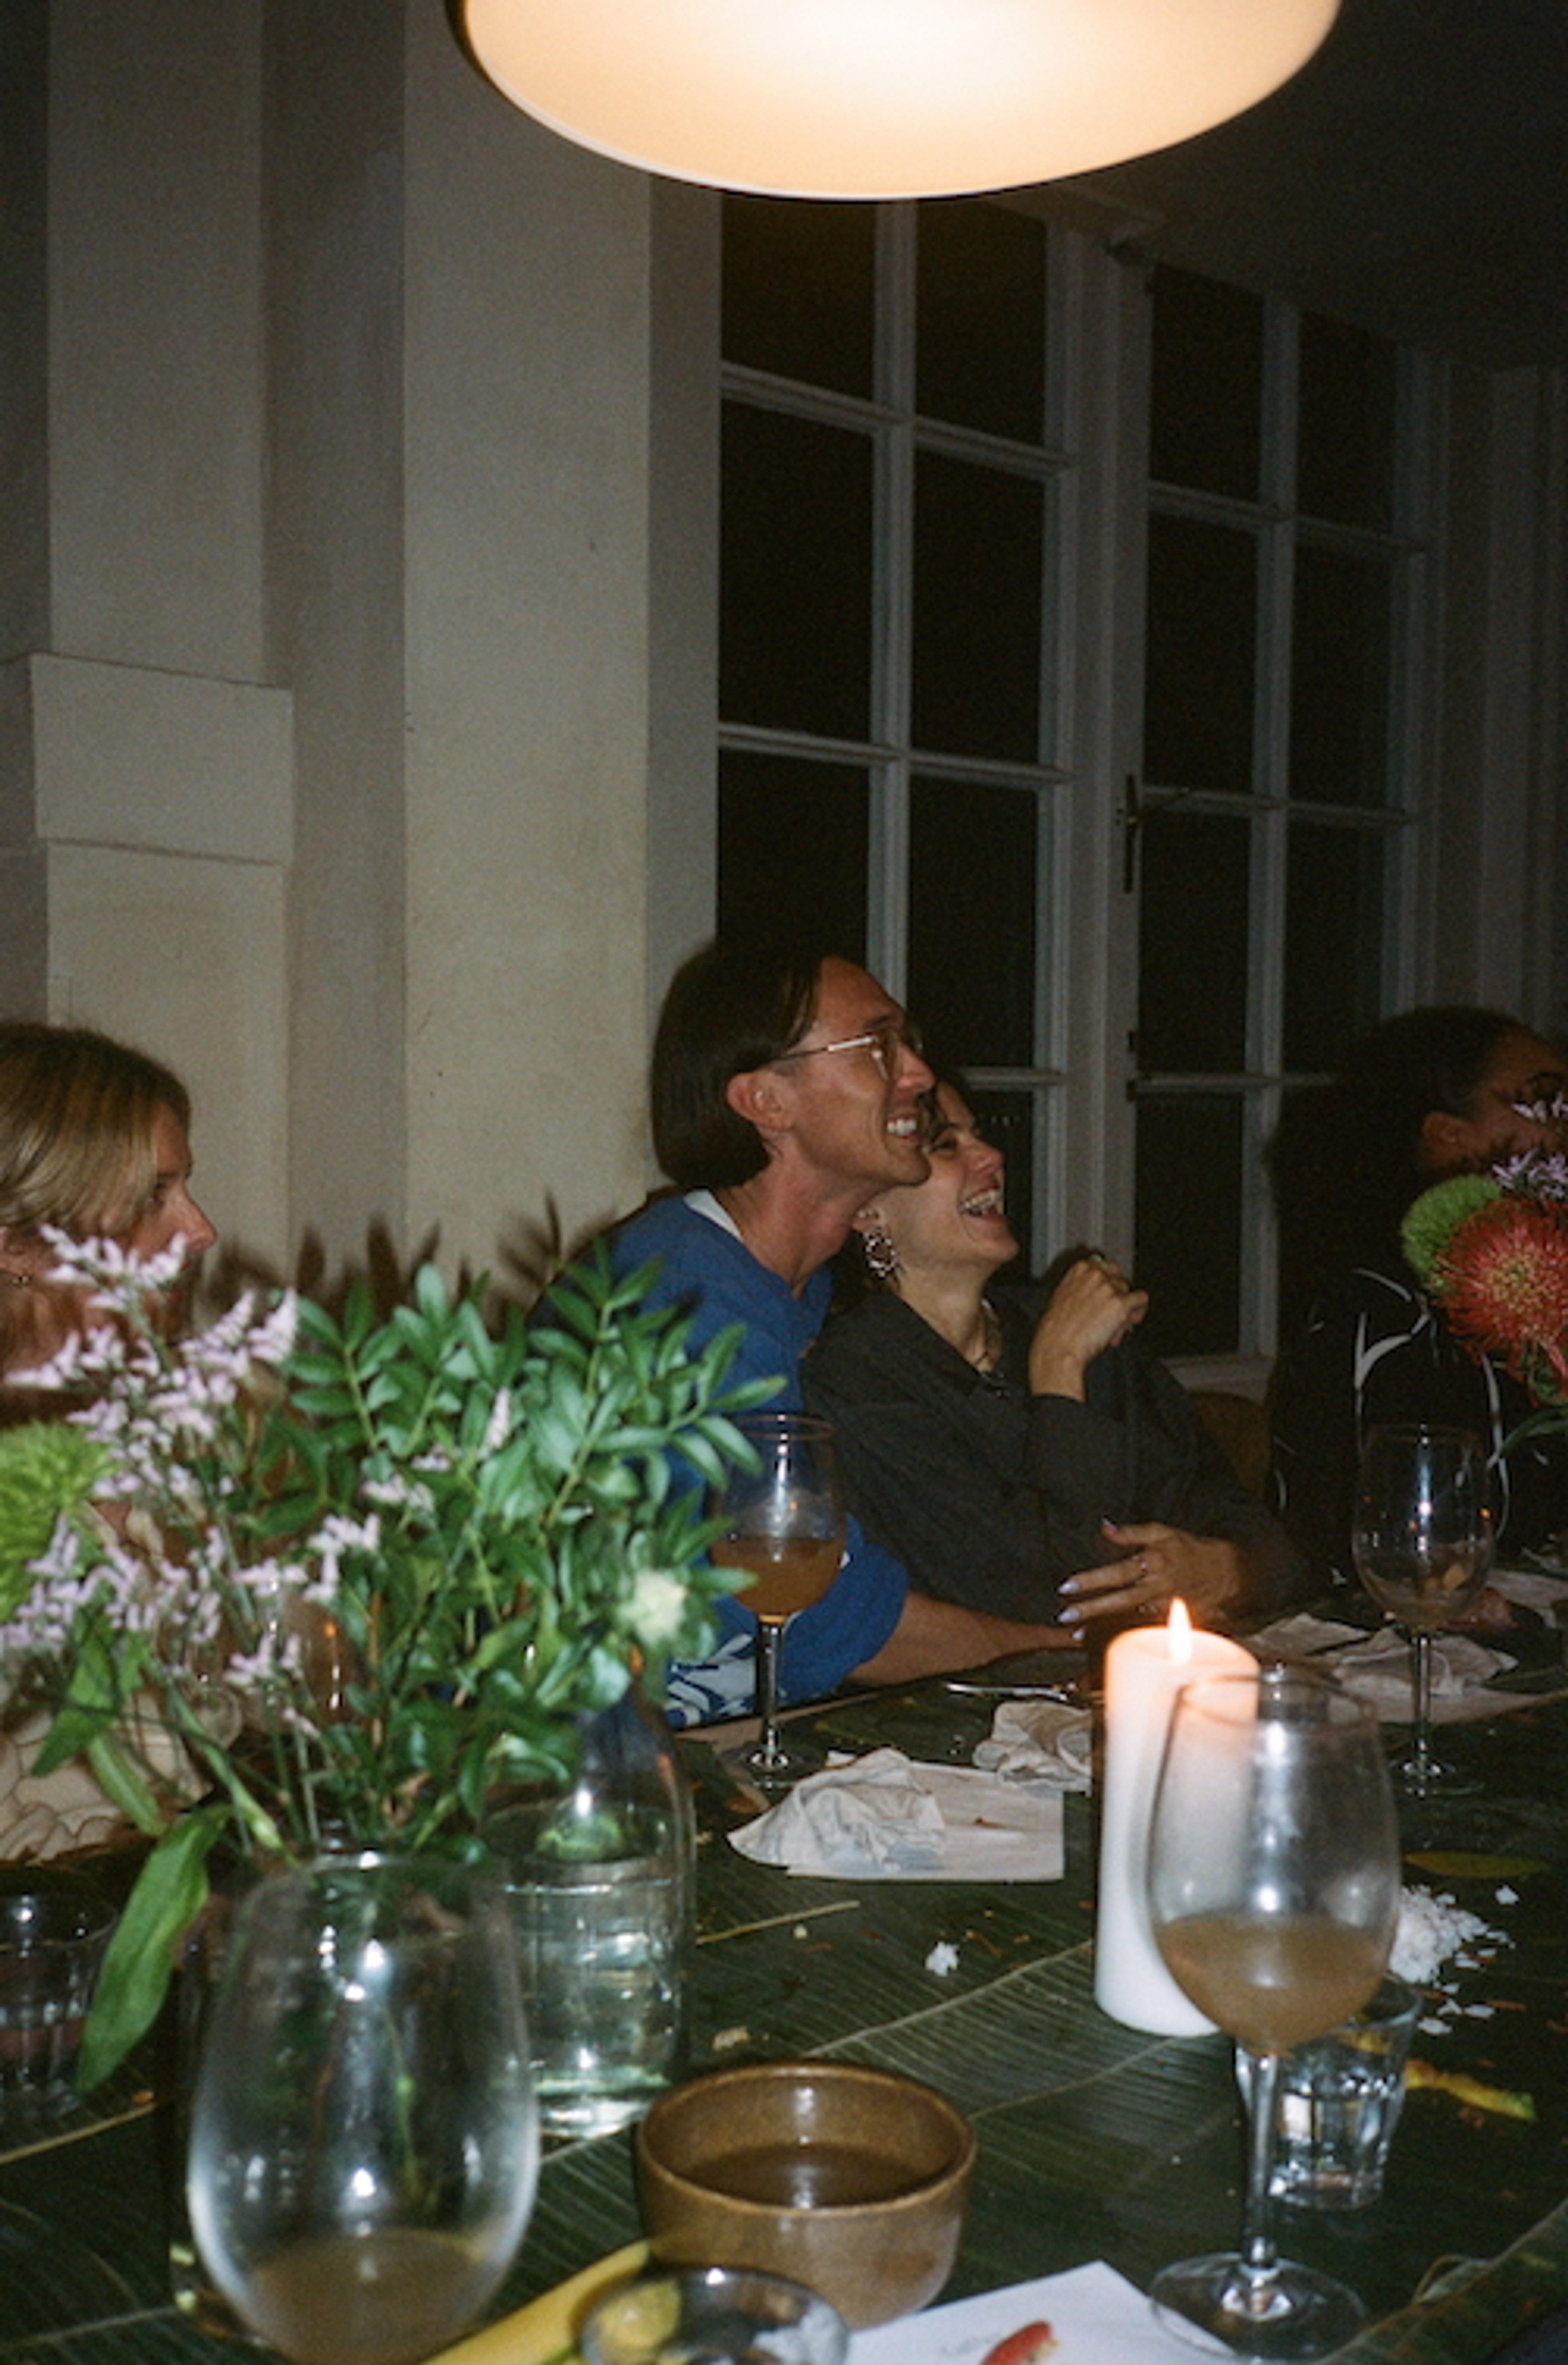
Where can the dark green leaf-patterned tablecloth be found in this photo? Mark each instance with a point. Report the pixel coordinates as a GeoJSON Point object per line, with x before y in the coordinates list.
{"type": "Point", "coordinates": [1094, 2141]}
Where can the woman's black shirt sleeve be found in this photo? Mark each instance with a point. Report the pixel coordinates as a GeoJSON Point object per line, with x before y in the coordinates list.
{"type": "Point", "coordinates": [991, 1495]}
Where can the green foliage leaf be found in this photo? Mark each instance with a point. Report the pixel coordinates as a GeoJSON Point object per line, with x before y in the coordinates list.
{"type": "Point", "coordinates": [94, 1697]}
{"type": "Point", "coordinates": [170, 1891]}
{"type": "Point", "coordinates": [478, 1523]}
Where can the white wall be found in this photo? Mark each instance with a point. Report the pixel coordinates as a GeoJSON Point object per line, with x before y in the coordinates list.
{"type": "Point", "coordinates": [526, 526]}
{"type": "Point", "coordinates": [1497, 925]}
{"type": "Point", "coordinates": [148, 784]}
{"type": "Point", "coordinates": [324, 726]}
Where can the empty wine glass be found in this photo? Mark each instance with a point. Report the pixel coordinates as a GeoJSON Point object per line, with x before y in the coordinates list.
{"type": "Point", "coordinates": [1274, 1889]}
{"type": "Point", "coordinates": [1421, 1539]}
{"type": "Point", "coordinates": [784, 1524]}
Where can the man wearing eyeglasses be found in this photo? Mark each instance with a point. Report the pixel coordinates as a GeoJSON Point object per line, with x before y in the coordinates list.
{"type": "Point", "coordinates": [785, 1094]}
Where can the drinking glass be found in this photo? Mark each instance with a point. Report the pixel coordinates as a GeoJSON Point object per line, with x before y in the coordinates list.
{"type": "Point", "coordinates": [1421, 1539]}
{"type": "Point", "coordinates": [720, 2315]}
{"type": "Point", "coordinates": [1273, 1887]}
{"type": "Point", "coordinates": [784, 1524]}
{"type": "Point", "coordinates": [363, 2137]}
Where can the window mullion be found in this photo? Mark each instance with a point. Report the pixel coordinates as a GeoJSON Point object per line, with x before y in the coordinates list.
{"type": "Point", "coordinates": [893, 592]}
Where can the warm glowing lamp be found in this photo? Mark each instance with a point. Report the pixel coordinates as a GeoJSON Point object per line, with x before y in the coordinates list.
{"type": "Point", "coordinates": [886, 98]}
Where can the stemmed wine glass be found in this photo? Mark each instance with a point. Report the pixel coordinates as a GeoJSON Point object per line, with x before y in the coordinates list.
{"type": "Point", "coordinates": [784, 1524]}
{"type": "Point", "coordinates": [1273, 1887]}
{"type": "Point", "coordinates": [1421, 1539]}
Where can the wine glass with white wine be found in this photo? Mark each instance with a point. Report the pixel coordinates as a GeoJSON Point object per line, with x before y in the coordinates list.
{"type": "Point", "coordinates": [1421, 1539]}
{"type": "Point", "coordinates": [1273, 1889]}
{"type": "Point", "coordinates": [784, 1524]}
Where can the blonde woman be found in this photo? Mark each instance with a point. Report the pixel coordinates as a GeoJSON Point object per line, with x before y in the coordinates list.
{"type": "Point", "coordinates": [94, 1142]}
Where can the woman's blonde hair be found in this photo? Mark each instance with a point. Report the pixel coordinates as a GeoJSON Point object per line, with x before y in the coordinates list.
{"type": "Point", "coordinates": [76, 1119]}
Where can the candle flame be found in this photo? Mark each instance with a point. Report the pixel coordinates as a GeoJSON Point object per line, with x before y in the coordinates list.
{"type": "Point", "coordinates": [1178, 1632]}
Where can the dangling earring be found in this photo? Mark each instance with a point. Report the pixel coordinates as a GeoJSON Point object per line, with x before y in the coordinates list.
{"type": "Point", "coordinates": [881, 1257]}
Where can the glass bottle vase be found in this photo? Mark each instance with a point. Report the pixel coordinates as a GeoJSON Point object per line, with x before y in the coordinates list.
{"type": "Point", "coordinates": [598, 1876]}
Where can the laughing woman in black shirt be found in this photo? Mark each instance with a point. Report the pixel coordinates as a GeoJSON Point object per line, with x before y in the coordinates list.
{"type": "Point", "coordinates": [1022, 1452]}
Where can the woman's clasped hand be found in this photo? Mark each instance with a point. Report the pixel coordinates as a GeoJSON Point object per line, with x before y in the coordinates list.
{"type": "Point", "coordinates": [1152, 1565]}
{"type": "Point", "coordinates": [1092, 1307]}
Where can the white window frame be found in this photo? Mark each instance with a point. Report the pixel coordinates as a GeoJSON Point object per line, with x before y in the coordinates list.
{"type": "Point", "coordinates": [1482, 455]}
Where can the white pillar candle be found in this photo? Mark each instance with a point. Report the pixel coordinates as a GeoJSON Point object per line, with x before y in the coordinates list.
{"type": "Point", "coordinates": [1145, 1668]}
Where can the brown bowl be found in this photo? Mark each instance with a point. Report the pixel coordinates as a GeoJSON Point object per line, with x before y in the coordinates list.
{"type": "Point", "coordinates": [850, 2180]}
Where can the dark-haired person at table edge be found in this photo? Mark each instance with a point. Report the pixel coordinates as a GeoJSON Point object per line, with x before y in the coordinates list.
{"type": "Point", "coordinates": [1437, 1090]}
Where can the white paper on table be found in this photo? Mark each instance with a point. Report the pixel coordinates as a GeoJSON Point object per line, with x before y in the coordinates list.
{"type": "Point", "coordinates": [884, 1817]}
{"type": "Point", "coordinates": [1376, 1666]}
{"type": "Point", "coordinates": [1096, 2316]}
{"type": "Point", "coordinates": [1531, 1588]}
{"type": "Point", "coordinates": [1043, 1740]}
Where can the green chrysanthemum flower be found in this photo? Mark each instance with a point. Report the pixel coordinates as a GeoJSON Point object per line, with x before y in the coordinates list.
{"type": "Point", "coordinates": [48, 1470]}
{"type": "Point", "coordinates": [1430, 1219]}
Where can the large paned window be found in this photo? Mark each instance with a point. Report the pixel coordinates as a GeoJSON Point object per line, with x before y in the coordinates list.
{"type": "Point", "coordinates": [891, 617]}
{"type": "Point", "coordinates": [911, 537]}
{"type": "Point", "coordinates": [1274, 796]}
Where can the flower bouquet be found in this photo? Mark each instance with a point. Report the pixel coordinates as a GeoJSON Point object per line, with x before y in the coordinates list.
{"type": "Point", "coordinates": [1493, 1251]}
{"type": "Point", "coordinates": [302, 1580]}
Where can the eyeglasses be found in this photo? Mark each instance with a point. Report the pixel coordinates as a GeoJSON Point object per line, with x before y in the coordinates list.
{"type": "Point", "coordinates": [884, 1042]}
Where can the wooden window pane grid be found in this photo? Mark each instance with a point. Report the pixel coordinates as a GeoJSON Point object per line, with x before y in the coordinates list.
{"type": "Point", "coordinates": [1265, 929]}
{"type": "Point", "coordinates": [889, 688]}
{"type": "Point", "coordinates": [900, 734]}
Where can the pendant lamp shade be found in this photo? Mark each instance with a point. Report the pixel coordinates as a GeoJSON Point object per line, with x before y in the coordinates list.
{"type": "Point", "coordinates": [886, 98]}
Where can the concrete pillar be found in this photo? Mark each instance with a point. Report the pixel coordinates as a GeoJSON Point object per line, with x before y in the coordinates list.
{"type": "Point", "coordinates": [145, 760]}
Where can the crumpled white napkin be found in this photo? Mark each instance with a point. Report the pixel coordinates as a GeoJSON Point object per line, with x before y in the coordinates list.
{"type": "Point", "coordinates": [1039, 1741]}
{"type": "Point", "coordinates": [1379, 1668]}
{"type": "Point", "coordinates": [884, 1817]}
{"type": "Point", "coordinates": [1532, 1589]}
{"type": "Point", "coordinates": [1376, 1666]}
{"type": "Point", "coordinates": [874, 1811]}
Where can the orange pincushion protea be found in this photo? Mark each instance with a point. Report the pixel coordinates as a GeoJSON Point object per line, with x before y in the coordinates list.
{"type": "Point", "coordinates": [1502, 1276]}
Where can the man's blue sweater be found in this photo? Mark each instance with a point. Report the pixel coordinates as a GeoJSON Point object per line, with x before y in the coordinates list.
{"type": "Point", "coordinates": [708, 1270]}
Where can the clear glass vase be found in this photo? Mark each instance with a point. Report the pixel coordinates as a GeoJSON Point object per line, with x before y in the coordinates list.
{"type": "Point", "coordinates": [598, 1878]}
{"type": "Point", "coordinates": [363, 2142]}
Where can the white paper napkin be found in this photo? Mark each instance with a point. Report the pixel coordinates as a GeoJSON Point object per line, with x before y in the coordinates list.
{"type": "Point", "coordinates": [1532, 1589]}
{"type": "Point", "coordinates": [1095, 2315]}
{"type": "Point", "coordinates": [1039, 1741]}
{"type": "Point", "coordinates": [882, 1817]}
{"type": "Point", "coordinates": [1377, 1666]}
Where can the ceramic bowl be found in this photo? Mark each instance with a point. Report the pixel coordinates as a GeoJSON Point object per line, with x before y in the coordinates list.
{"type": "Point", "coordinates": [848, 2180]}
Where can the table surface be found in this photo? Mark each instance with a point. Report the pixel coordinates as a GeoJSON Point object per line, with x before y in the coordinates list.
{"type": "Point", "coordinates": [1094, 2141]}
